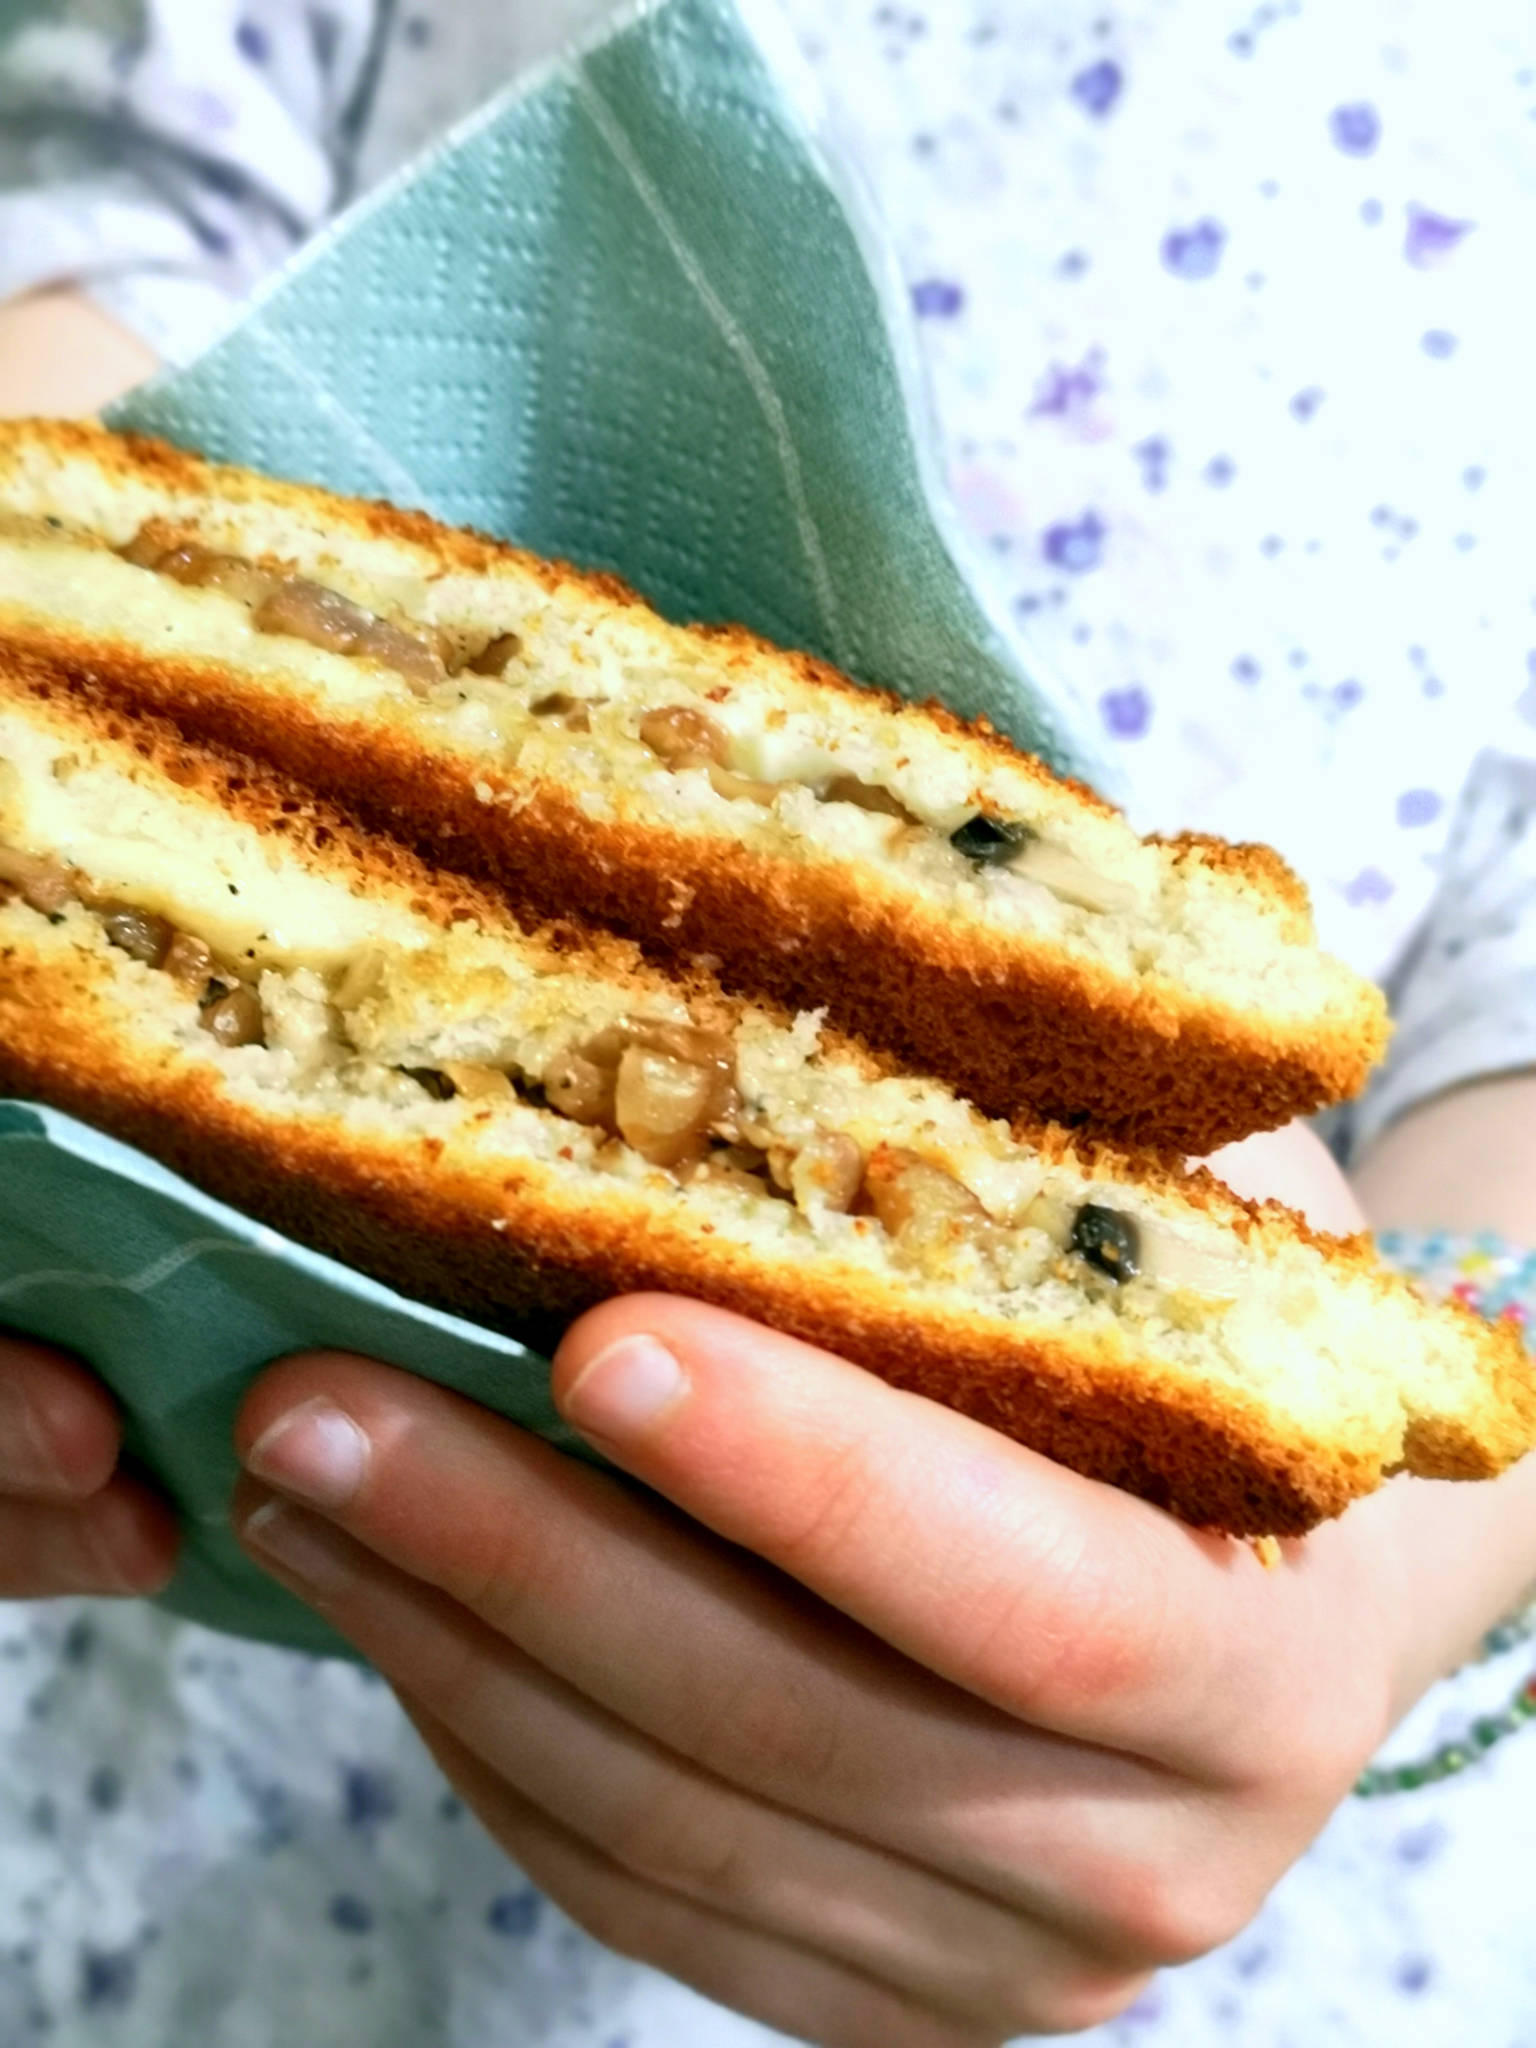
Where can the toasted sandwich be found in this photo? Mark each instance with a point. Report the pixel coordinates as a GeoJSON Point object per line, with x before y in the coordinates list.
{"type": "Point", "coordinates": [813, 843]}
{"type": "Point", "coordinates": [515, 1121]}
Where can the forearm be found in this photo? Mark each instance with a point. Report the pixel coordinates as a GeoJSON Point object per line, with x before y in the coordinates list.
{"type": "Point", "coordinates": [1462, 1162]}
{"type": "Point", "coordinates": [61, 355]}
{"type": "Point", "coordinates": [1467, 1558]}
{"type": "Point", "coordinates": [1465, 1161]}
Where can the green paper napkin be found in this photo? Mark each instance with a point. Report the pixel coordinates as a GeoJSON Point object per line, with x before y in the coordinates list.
{"type": "Point", "coordinates": [178, 1302]}
{"type": "Point", "coordinates": [630, 313]}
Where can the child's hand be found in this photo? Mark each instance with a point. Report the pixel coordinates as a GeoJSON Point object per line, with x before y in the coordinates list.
{"type": "Point", "coordinates": [897, 1734]}
{"type": "Point", "coordinates": [978, 1746]}
{"type": "Point", "coordinates": [67, 1525]}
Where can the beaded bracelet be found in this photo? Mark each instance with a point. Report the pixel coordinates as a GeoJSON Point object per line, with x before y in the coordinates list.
{"type": "Point", "coordinates": [1485, 1733]}
{"type": "Point", "coordinates": [1494, 1280]}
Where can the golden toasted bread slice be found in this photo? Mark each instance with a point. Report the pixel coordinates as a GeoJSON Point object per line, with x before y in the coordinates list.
{"type": "Point", "coordinates": [934, 890]}
{"type": "Point", "coordinates": [314, 1026]}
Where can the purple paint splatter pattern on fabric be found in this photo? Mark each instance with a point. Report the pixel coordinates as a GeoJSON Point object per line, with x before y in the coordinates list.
{"type": "Point", "coordinates": [1430, 237]}
{"type": "Point", "coordinates": [1074, 544]}
{"type": "Point", "coordinates": [1097, 88]}
{"type": "Point", "coordinates": [1369, 886]}
{"type": "Point", "coordinates": [350, 1914]}
{"type": "Point", "coordinates": [108, 1978]}
{"type": "Point", "coordinates": [1152, 458]}
{"type": "Point", "coordinates": [251, 41]}
{"type": "Point", "coordinates": [210, 112]}
{"type": "Point", "coordinates": [1355, 129]}
{"type": "Point", "coordinates": [1067, 388]}
{"type": "Point", "coordinates": [1421, 1844]}
{"type": "Point", "coordinates": [937, 298]}
{"type": "Point", "coordinates": [1418, 807]}
{"type": "Point", "coordinates": [1438, 342]}
{"type": "Point", "coordinates": [368, 1796]}
{"type": "Point", "coordinates": [1413, 1974]}
{"type": "Point", "coordinates": [1127, 713]}
{"type": "Point", "coordinates": [1194, 252]}
{"type": "Point", "coordinates": [514, 1913]}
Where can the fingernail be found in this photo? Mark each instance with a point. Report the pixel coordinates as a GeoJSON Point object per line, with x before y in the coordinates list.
{"type": "Point", "coordinates": [26, 1455]}
{"type": "Point", "coordinates": [305, 1548]}
{"type": "Point", "coordinates": [314, 1452]}
{"type": "Point", "coordinates": [623, 1390]}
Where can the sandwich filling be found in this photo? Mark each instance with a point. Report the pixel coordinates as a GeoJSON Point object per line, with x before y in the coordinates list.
{"type": "Point", "coordinates": [314, 993]}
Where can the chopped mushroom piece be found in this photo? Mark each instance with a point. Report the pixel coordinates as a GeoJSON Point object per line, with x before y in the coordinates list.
{"type": "Point", "coordinates": [311, 612]}
{"type": "Point", "coordinates": [683, 737]}
{"type": "Point", "coordinates": [571, 712]}
{"type": "Point", "coordinates": [404, 652]}
{"type": "Point", "coordinates": [493, 657]}
{"type": "Point", "coordinates": [826, 1172]}
{"type": "Point", "coordinates": [663, 1106]}
{"type": "Point", "coordinates": [929, 1212]}
{"type": "Point", "coordinates": [724, 782]}
{"type": "Point", "coordinates": [436, 1083]}
{"type": "Point", "coordinates": [46, 886]}
{"type": "Point", "coordinates": [188, 961]}
{"type": "Point", "coordinates": [661, 1086]}
{"type": "Point", "coordinates": [1108, 1240]}
{"type": "Point", "coordinates": [233, 1015]}
{"type": "Point", "coordinates": [581, 1087]}
{"type": "Point", "coordinates": [990, 842]}
{"type": "Point", "coordinates": [869, 796]}
{"type": "Point", "coordinates": [148, 548]}
{"type": "Point", "coordinates": [139, 933]}
{"type": "Point", "coordinates": [203, 569]}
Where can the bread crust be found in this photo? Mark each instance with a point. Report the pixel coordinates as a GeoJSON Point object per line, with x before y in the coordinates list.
{"type": "Point", "coordinates": [1010, 1020]}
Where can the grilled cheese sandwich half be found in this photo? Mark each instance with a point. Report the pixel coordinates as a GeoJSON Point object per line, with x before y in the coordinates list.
{"type": "Point", "coordinates": [817, 844]}
{"type": "Point", "coordinates": [514, 1123]}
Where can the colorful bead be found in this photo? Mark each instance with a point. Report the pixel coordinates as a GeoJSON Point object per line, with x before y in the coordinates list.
{"type": "Point", "coordinates": [1451, 1758]}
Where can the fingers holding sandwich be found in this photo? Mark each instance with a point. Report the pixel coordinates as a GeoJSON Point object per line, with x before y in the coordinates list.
{"type": "Point", "coordinates": [667, 1718]}
{"type": "Point", "coordinates": [1072, 1607]}
{"type": "Point", "coordinates": [68, 1522]}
